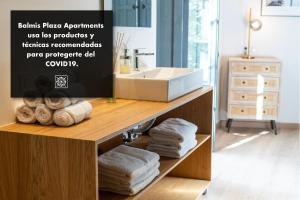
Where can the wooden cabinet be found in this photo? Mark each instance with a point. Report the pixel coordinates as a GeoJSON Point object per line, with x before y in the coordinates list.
{"type": "Point", "coordinates": [252, 97]}
{"type": "Point", "coordinates": [258, 83]}
{"type": "Point", "coordinates": [254, 68]}
{"type": "Point", "coordinates": [253, 89]}
{"type": "Point", "coordinates": [59, 163]}
{"type": "Point", "coordinates": [252, 112]}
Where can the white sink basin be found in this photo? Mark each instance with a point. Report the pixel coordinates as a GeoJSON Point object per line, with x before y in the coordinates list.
{"type": "Point", "coordinates": [160, 84]}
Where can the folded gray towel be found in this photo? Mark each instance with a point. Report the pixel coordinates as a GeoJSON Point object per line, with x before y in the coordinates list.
{"type": "Point", "coordinates": [169, 151]}
{"type": "Point", "coordinates": [113, 177]}
{"type": "Point", "coordinates": [176, 128]}
{"type": "Point", "coordinates": [169, 141]}
{"type": "Point", "coordinates": [128, 161]}
{"type": "Point", "coordinates": [129, 190]}
{"type": "Point", "coordinates": [178, 147]}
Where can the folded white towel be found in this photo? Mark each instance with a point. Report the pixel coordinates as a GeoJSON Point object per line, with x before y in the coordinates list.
{"type": "Point", "coordinates": [72, 114]}
{"type": "Point", "coordinates": [129, 190]}
{"type": "Point", "coordinates": [32, 98]}
{"type": "Point", "coordinates": [25, 114]}
{"type": "Point", "coordinates": [176, 128]}
{"type": "Point", "coordinates": [116, 178]}
{"type": "Point", "coordinates": [57, 100]}
{"type": "Point", "coordinates": [168, 151]}
{"type": "Point", "coordinates": [43, 114]}
{"type": "Point", "coordinates": [128, 161]}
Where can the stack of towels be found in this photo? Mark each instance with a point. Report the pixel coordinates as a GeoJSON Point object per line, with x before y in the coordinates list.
{"type": "Point", "coordinates": [54, 108]}
{"type": "Point", "coordinates": [127, 170]}
{"type": "Point", "coordinates": [173, 138]}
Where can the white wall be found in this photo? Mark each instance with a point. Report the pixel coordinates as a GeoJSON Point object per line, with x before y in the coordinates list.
{"type": "Point", "coordinates": [7, 105]}
{"type": "Point", "coordinates": [140, 37]}
{"type": "Point", "coordinates": [279, 37]}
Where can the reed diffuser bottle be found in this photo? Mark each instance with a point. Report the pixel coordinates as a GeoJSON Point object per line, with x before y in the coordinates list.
{"type": "Point", "coordinates": [125, 63]}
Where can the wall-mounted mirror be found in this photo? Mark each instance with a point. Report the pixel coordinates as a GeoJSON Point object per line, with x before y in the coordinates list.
{"type": "Point", "coordinates": [132, 13]}
{"type": "Point", "coordinates": [181, 33]}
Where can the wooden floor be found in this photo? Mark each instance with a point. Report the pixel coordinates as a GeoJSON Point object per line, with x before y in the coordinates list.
{"type": "Point", "coordinates": [254, 164]}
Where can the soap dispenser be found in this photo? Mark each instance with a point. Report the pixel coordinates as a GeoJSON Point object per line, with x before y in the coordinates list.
{"type": "Point", "coordinates": [125, 64]}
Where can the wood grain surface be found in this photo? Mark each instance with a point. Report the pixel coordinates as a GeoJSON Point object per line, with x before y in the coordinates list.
{"type": "Point", "coordinates": [108, 119]}
{"type": "Point", "coordinates": [36, 167]}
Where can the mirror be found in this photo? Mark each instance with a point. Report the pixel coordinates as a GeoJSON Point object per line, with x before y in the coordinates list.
{"type": "Point", "coordinates": [132, 13]}
{"type": "Point", "coordinates": [180, 33]}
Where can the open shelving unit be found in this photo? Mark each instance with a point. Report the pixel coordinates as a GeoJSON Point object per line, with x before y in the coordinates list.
{"type": "Point", "coordinates": [49, 162]}
{"type": "Point", "coordinates": [165, 181]}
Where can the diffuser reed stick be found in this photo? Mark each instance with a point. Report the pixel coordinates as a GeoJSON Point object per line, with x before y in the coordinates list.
{"type": "Point", "coordinates": [119, 45]}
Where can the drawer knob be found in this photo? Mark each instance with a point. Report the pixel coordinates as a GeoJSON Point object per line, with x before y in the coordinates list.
{"type": "Point", "coordinates": [267, 68]}
{"type": "Point", "coordinates": [265, 97]}
{"type": "Point", "coordinates": [266, 83]}
{"type": "Point", "coordinates": [242, 111]}
{"type": "Point", "coordinates": [243, 97]}
{"type": "Point", "coordinates": [264, 112]}
{"type": "Point", "coordinates": [244, 82]}
{"type": "Point", "coordinates": [244, 68]}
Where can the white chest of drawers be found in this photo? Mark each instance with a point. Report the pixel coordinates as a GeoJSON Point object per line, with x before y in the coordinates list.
{"type": "Point", "coordinates": [253, 89]}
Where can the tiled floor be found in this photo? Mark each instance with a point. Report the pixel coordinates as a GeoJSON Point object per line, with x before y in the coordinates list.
{"type": "Point", "coordinates": [255, 164]}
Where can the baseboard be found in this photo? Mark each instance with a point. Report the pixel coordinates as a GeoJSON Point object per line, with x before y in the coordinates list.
{"type": "Point", "coordinates": [258, 124]}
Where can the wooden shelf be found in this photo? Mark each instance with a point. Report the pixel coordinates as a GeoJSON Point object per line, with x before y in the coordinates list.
{"type": "Point", "coordinates": [166, 166]}
{"type": "Point", "coordinates": [52, 158]}
{"type": "Point", "coordinates": [175, 188]}
{"type": "Point", "coordinates": [168, 188]}
{"type": "Point", "coordinates": [108, 119]}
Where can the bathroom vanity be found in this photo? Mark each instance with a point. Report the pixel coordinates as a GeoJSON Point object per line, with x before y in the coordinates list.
{"type": "Point", "coordinates": [49, 162]}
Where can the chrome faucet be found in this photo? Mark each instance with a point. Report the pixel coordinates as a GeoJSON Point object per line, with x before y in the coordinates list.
{"type": "Point", "coordinates": [136, 55]}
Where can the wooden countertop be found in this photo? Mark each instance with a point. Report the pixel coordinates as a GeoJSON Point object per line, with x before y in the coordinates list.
{"type": "Point", "coordinates": [107, 119]}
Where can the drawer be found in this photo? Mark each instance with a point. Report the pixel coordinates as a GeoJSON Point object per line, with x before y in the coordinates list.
{"type": "Point", "coordinates": [252, 112]}
{"type": "Point", "coordinates": [245, 68]}
{"type": "Point", "coordinates": [253, 97]}
{"type": "Point", "coordinates": [259, 84]}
